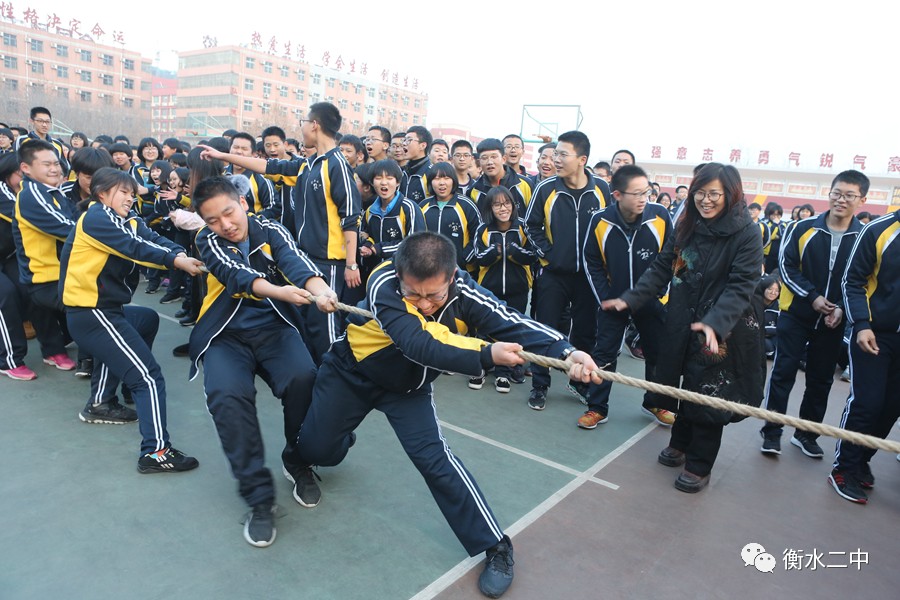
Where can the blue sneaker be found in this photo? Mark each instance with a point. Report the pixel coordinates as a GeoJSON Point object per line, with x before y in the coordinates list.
{"type": "Point", "coordinates": [497, 575]}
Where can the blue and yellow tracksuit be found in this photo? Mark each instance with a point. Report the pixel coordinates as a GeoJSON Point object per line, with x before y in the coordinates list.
{"type": "Point", "coordinates": [388, 363]}
{"type": "Point", "coordinates": [41, 225]}
{"type": "Point", "coordinates": [870, 286]}
{"type": "Point", "coordinates": [457, 219]}
{"type": "Point", "coordinates": [284, 175]}
{"type": "Point", "coordinates": [58, 147]}
{"type": "Point", "coordinates": [263, 200]}
{"type": "Point", "coordinates": [616, 254]}
{"type": "Point", "coordinates": [808, 271]}
{"type": "Point", "coordinates": [386, 227]}
{"type": "Point", "coordinates": [414, 183]}
{"type": "Point", "coordinates": [518, 185]}
{"type": "Point", "coordinates": [239, 336]}
{"type": "Point", "coordinates": [99, 274]}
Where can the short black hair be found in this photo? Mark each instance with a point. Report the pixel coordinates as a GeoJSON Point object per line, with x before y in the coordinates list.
{"type": "Point", "coordinates": [462, 144]}
{"type": "Point", "coordinates": [353, 141]}
{"type": "Point", "coordinates": [424, 136]}
{"type": "Point", "coordinates": [443, 169]}
{"type": "Point", "coordinates": [148, 141]}
{"type": "Point", "coordinates": [170, 142]}
{"type": "Point", "coordinates": [773, 208]}
{"type": "Point", "coordinates": [273, 130]}
{"type": "Point", "coordinates": [120, 147]}
{"type": "Point", "coordinates": [681, 187]}
{"type": "Point", "coordinates": [486, 201]}
{"type": "Point", "coordinates": [39, 110]}
{"type": "Point", "coordinates": [109, 178]}
{"type": "Point", "coordinates": [440, 142]}
{"type": "Point", "coordinates": [122, 138]}
{"type": "Point", "coordinates": [103, 139]}
{"type": "Point", "coordinates": [9, 164]}
{"type": "Point", "coordinates": [624, 151]}
{"type": "Point", "coordinates": [327, 116]}
{"type": "Point", "coordinates": [20, 129]}
{"type": "Point", "coordinates": [550, 146]}
{"type": "Point", "coordinates": [77, 135]}
{"type": "Point", "coordinates": [243, 135]}
{"type": "Point", "coordinates": [853, 178]}
{"type": "Point", "coordinates": [27, 151]}
{"type": "Point", "coordinates": [602, 165]}
{"type": "Point", "coordinates": [293, 142]}
{"type": "Point", "coordinates": [210, 187]}
{"type": "Point", "coordinates": [219, 143]}
{"type": "Point", "coordinates": [229, 133]}
{"type": "Point", "coordinates": [579, 141]}
{"type": "Point", "coordinates": [864, 215]}
{"type": "Point", "coordinates": [179, 159]}
{"type": "Point", "coordinates": [387, 167]}
{"type": "Point", "coordinates": [89, 160]}
{"type": "Point", "coordinates": [753, 205]}
{"type": "Point", "coordinates": [384, 131]}
{"type": "Point", "coordinates": [622, 178]}
{"type": "Point", "coordinates": [366, 172]}
{"type": "Point", "coordinates": [514, 135]}
{"type": "Point", "coordinates": [490, 144]}
{"type": "Point", "coordinates": [425, 254]}
{"type": "Point", "coordinates": [399, 134]}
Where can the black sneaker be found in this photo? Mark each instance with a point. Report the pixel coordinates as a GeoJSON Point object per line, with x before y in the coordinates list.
{"type": "Point", "coordinates": [169, 460]}
{"type": "Point", "coordinates": [808, 446]}
{"type": "Point", "coordinates": [579, 390]}
{"type": "Point", "coordinates": [171, 296]}
{"type": "Point", "coordinates": [109, 413]}
{"type": "Point", "coordinates": [188, 320]}
{"type": "Point", "coordinates": [181, 313]}
{"type": "Point", "coordinates": [152, 287]}
{"type": "Point", "coordinates": [476, 383]}
{"type": "Point", "coordinates": [865, 477]}
{"type": "Point", "coordinates": [259, 526]}
{"type": "Point", "coordinates": [771, 444]}
{"type": "Point", "coordinates": [306, 489]}
{"type": "Point", "coordinates": [502, 385]}
{"type": "Point", "coordinates": [518, 374]}
{"type": "Point", "coordinates": [847, 486]}
{"type": "Point", "coordinates": [538, 398]}
{"type": "Point", "coordinates": [126, 395]}
{"type": "Point", "coordinates": [85, 367]}
{"type": "Point", "coordinates": [181, 351]}
{"type": "Point", "coordinates": [497, 575]}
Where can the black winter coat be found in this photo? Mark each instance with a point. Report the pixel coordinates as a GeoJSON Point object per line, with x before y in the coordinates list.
{"type": "Point", "coordinates": [713, 279]}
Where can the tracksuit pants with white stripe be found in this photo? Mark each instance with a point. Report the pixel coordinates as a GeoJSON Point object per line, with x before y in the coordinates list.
{"type": "Point", "coordinates": [322, 329]}
{"type": "Point", "coordinates": [342, 398]}
{"type": "Point", "coordinates": [230, 366]}
{"type": "Point", "coordinates": [874, 403]}
{"type": "Point", "coordinates": [111, 336]}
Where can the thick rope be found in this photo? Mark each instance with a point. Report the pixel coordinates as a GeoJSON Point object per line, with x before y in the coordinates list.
{"type": "Point", "coordinates": [860, 439]}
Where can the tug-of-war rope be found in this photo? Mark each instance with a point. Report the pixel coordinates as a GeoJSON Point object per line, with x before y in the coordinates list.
{"type": "Point", "coordinates": [860, 439]}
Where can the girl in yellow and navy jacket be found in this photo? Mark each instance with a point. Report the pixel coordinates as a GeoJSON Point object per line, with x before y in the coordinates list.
{"type": "Point", "coordinates": [391, 217]}
{"type": "Point", "coordinates": [448, 212]}
{"type": "Point", "coordinates": [107, 244]}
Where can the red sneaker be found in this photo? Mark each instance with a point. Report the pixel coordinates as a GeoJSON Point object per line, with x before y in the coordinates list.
{"type": "Point", "coordinates": [60, 361]}
{"type": "Point", "coordinates": [22, 373]}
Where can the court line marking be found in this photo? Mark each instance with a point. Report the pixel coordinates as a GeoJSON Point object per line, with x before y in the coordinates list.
{"type": "Point", "coordinates": [455, 573]}
{"type": "Point", "coordinates": [528, 455]}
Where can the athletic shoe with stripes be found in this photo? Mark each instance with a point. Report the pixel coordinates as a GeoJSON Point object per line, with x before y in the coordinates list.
{"type": "Point", "coordinates": [60, 361]}
{"type": "Point", "coordinates": [21, 373]}
{"type": "Point", "coordinates": [108, 413]}
{"type": "Point", "coordinates": [306, 489]}
{"type": "Point", "coordinates": [259, 525]}
{"type": "Point", "coordinates": [169, 460]}
{"type": "Point", "coordinates": [847, 486]}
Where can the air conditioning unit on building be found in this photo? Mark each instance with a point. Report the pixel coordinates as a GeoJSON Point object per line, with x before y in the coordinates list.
{"type": "Point", "coordinates": [78, 71]}
{"type": "Point", "coordinates": [101, 95]}
{"type": "Point", "coordinates": [29, 62]}
{"type": "Point", "coordinates": [265, 95]}
{"type": "Point", "coordinates": [54, 45]}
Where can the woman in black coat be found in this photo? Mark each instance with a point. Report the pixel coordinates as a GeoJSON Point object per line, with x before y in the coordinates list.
{"type": "Point", "coordinates": [713, 326]}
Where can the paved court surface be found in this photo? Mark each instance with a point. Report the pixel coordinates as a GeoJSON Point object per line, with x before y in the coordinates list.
{"type": "Point", "coordinates": [591, 512]}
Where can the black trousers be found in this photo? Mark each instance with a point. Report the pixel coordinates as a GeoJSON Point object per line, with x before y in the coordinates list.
{"type": "Point", "coordinates": [822, 352]}
{"type": "Point", "coordinates": [104, 382]}
{"type": "Point", "coordinates": [230, 365]}
{"type": "Point", "coordinates": [48, 317]}
{"type": "Point", "coordinates": [13, 302]}
{"type": "Point", "coordinates": [342, 397]}
{"type": "Point", "coordinates": [874, 403]}
{"type": "Point", "coordinates": [518, 302]}
{"type": "Point", "coordinates": [649, 322]}
{"type": "Point", "coordinates": [700, 443]}
{"type": "Point", "coordinates": [553, 292]}
{"type": "Point", "coordinates": [321, 329]}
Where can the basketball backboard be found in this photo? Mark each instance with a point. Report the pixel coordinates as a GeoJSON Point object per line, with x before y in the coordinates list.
{"type": "Point", "coordinates": [542, 123]}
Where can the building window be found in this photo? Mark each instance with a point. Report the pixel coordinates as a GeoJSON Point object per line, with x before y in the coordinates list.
{"type": "Point", "coordinates": [62, 72]}
{"type": "Point", "coordinates": [356, 124]}
{"type": "Point", "coordinates": [417, 103]}
{"type": "Point", "coordinates": [357, 107]}
{"type": "Point", "coordinates": [358, 88]}
{"type": "Point", "coordinates": [145, 86]}
{"type": "Point", "coordinates": [104, 79]}
{"type": "Point", "coordinates": [10, 62]}
{"type": "Point", "coordinates": [267, 67]}
{"type": "Point", "coordinates": [405, 100]}
{"type": "Point", "coordinates": [314, 98]}
{"type": "Point", "coordinates": [382, 95]}
{"type": "Point", "coordinates": [248, 84]}
{"type": "Point", "coordinates": [37, 67]}
{"type": "Point", "coordinates": [86, 76]}
{"type": "Point", "coordinates": [345, 86]}
{"type": "Point", "coordinates": [404, 117]}
{"type": "Point", "coordinates": [331, 82]}
{"type": "Point", "coordinates": [250, 62]}
{"type": "Point", "coordinates": [12, 84]}
{"type": "Point", "coordinates": [370, 110]}
{"type": "Point", "coordinates": [371, 92]}
{"type": "Point", "coordinates": [85, 96]}
{"type": "Point", "coordinates": [301, 75]}
{"type": "Point", "coordinates": [128, 102]}
{"type": "Point", "coordinates": [9, 39]}
{"type": "Point", "coordinates": [394, 97]}
{"type": "Point", "coordinates": [129, 64]}
{"type": "Point", "coordinates": [285, 70]}
{"type": "Point", "coordinates": [105, 99]}
{"type": "Point", "coordinates": [62, 50]}
{"type": "Point", "coordinates": [145, 105]}
{"type": "Point", "coordinates": [106, 59]}
{"type": "Point", "coordinates": [283, 91]}
{"type": "Point", "coordinates": [37, 45]}
{"type": "Point", "coordinates": [129, 83]}
{"type": "Point", "coordinates": [299, 94]}
{"type": "Point", "coordinates": [85, 55]}
{"type": "Point", "coordinates": [267, 89]}
{"type": "Point", "coordinates": [264, 108]}
{"type": "Point", "coordinates": [329, 99]}
{"type": "Point", "coordinates": [63, 92]}
{"type": "Point", "coordinates": [317, 79]}
{"type": "Point", "coordinates": [415, 119]}
{"type": "Point", "coordinates": [343, 103]}
{"type": "Point", "coordinates": [248, 105]}
{"type": "Point", "coordinates": [381, 113]}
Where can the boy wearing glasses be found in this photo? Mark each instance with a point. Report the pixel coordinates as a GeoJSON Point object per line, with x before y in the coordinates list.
{"type": "Point", "coordinates": [416, 145]}
{"type": "Point", "coordinates": [812, 260]}
{"type": "Point", "coordinates": [622, 241]}
{"type": "Point", "coordinates": [514, 149]}
{"type": "Point", "coordinates": [41, 122]}
{"type": "Point", "coordinates": [423, 305]}
{"type": "Point", "coordinates": [461, 155]}
{"type": "Point", "coordinates": [494, 172]}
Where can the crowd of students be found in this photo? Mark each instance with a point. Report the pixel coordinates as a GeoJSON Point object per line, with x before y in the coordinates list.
{"type": "Point", "coordinates": [450, 246]}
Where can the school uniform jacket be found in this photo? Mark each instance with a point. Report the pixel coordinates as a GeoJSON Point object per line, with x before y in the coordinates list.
{"type": "Point", "coordinates": [263, 200]}
{"type": "Point", "coordinates": [518, 185]}
{"type": "Point", "coordinates": [505, 271]}
{"type": "Point", "coordinates": [401, 350]}
{"type": "Point", "coordinates": [414, 183]}
{"type": "Point", "coordinates": [403, 218]}
{"type": "Point", "coordinates": [284, 175]}
{"type": "Point", "coordinates": [871, 283]}
{"type": "Point", "coordinates": [162, 207]}
{"type": "Point", "coordinates": [7, 212]}
{"type": "Point", "coordinates": [557, 222]}
{"type": "Point", "coordinates": [612, 261]}
{"type": "Point", "coordinates": [273, 257]}
{"type": "Point", "coordinates": [58, 147]}
{"type": "Point", "coordinates": [43, 220]}
{"type": "Point", "coordinates": [99, 264]}
{"type": "Point", "coordinates": [804, 265]}
{"type": "Point", "coordinates": [458, 220]}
